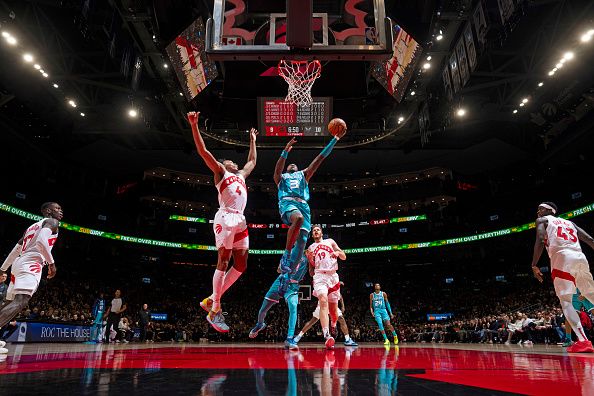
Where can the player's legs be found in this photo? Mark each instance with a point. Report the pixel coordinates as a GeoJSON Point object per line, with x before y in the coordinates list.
{"type": "Point", "coordinates": [239, 266]}
{"type": "Point", "coordinates": [306, 328]}
{"type": "Point", "coordinates": [333, 310]}
{"type": "Point", "coordinates": [13, 308]}
{"type": "Point", "coordinates": [584, 281]}
{"type": "Point", "coordinates": [218, 278]}
{"type": "Point", "coordinates": [378, 315]}
{"type": "Point", "coordinates": [295, 218]}
{"type": "Point", "coordinates": [292, 301]}
{"type": "Point", "coordinates": [392, 330]}
{"type": "Point", "coordinates": [271, 298]}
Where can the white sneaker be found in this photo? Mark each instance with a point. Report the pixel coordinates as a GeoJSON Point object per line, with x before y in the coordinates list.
{"type": "Point", "coordinates": [3, 350]}
{"type": "Point", "coordinates": [507, 343]}
{"type": "Point", "coordinates": [528, 342]}
{"type": "Point", "coordinates": [2, 344]}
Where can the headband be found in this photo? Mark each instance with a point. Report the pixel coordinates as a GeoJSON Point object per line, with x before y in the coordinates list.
{"type": "Point", "coordinates": [546, 206]}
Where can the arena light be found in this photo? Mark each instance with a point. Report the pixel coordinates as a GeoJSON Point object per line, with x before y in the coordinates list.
{"type": "Point", "coordinates": [45, 75]}
{"type": "Point", "coordinates": [559, 65]}
{"type": "Point", "coordinates": [568, 55]}
{"type": "Point", "coordinates": [55, 85]}
{"type": "Point", "coordinates": [11, 40]}
{"type": "Point", "coordinates": [165, 65]}
{"type": "Point", "coordinates": [429, 57]}
{"type": "Point", "coordinates": [412, 93]}
{"type": "Point", "coordinates": [28, 58]}
{"type": "Point", "coordinates": [72, 103]}
{"type": "Point", "coordinates": [515, 111]}
{"type": "Point", "coordinates": [37, 66]}
{"type": "Point", "coordinates": [132, 113]}
{"type": "Point", "coordinates": [82, 114]}
{"type": "Point", "coordinates": [461, 112]}
{"type": "Point", "coordinates": [551, 73]}
{"type": "Point", "coordinates": [439, 37]}
{"type": "Point", "coordinates": [41, 71]}
{"type": "Point", "coordinates": [521, 104]}
{"type": "Point", "coordinates": [400, 119]}
{"type": "Point", "coordinates": [427, 66]}
{"type": "Point", "coordinates": [586, 37]}
{"type": "Point", "coordinates": [525, 100]}
{"type": "Point", "coordinates": [540, 84]}
{"type": "Point", "coordinates": [181, 94]}
{"type": "Point", "coordinates": [5, 34]}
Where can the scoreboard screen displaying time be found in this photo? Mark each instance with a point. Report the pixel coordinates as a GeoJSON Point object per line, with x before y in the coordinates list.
{"type": "Point", "coordinates": [279, 118]}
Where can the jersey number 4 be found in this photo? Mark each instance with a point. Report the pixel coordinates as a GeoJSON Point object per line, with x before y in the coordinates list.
{"type": "Point", "coordinates": [561, 234]}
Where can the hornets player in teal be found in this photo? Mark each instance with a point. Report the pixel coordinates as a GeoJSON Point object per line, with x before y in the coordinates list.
{"type": "Point", "coordinates": [380, 308]}
{"type": "Point", "coordinates": [293, 197]}
{"type": "Point", "coordinates": [291, 297]}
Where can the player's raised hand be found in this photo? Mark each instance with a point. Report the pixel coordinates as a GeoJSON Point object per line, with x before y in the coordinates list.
{"type": "Point", "coordinates": [537, 274]}
{"type": "Point", "coordinates": [289, 145]}
{"type": "Point", "coordinates": [253, 134]}
{"type": "Point", "coordinates": [193, 117]}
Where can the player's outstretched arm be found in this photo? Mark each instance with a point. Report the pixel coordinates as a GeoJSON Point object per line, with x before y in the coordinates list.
{"type": "Point", "coordinates": [338, 251]}
{"type": "Point", "coordinates": [280, 164]}
{"type": "Point", "coordinates": [252, 155]}
{"type": "Point", "coordinates": [371, 304]}
{"type": "Point", "coordinates": [315, 164]}
{"type": "Point", "coordinates": [585, 237]}
{"type": "Point", "coordinates": [541, 235]}
{"type": "Point", "coordinates": [215, 166]}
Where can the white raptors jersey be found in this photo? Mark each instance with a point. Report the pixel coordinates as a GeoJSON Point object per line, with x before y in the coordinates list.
{"type": "Point", "coordinates": [561, 234]}
{"type": "Point", "coordinates": [232, 192]}
{"type": "Point", "coordinates": [31, 243]}
{"type": "Point", "coordinates": [322, 253]}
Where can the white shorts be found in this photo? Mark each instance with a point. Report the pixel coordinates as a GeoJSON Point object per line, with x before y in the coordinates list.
{"type": "Point", "coordinates": [327, 284]}
{"type": "Point", "coordinates": [570, 270]}
{"type": "Point", "coordinates": [24, 277]}
{"type": "Point", "coordinates": [230, 231]}
{"type": "Point", "coordinates": [316, 313]}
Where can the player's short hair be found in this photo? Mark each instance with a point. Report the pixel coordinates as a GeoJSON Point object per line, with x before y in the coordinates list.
{"type": "Point", "coordinates": [552, 205]}
{"type": "Point", "coordinates": [222, 160]}
{"type": "Point", "coordinates": [46, 205]}
{"type": "Point", "coordinates": [317, 225]}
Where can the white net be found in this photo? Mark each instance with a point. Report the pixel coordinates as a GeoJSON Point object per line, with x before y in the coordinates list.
{"type": "Point", "coordinates": [300, 75]}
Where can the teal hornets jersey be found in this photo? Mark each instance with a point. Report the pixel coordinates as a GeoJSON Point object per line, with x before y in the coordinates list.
{"type": "Point", "coordinates": [378, 301]}
{"type": "Point", "coordinates": [293, 185]}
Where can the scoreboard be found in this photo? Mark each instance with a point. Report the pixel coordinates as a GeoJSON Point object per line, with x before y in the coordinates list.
{"type": "Point", "coordinates": [279, 118]}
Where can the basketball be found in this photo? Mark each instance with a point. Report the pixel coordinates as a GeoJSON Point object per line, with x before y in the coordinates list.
{"type": "Point", "coordinates": [337, 127]}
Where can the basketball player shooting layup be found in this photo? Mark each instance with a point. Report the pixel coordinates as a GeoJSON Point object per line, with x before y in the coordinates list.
{"type": "Point", "coordinates": [380, 307]}
{"type": "Point", "coordinates": [28, 257]}
{"type": "Point", "coordinates": [569, 266]}
{"type": "Point", "coordinates": [230, 227]}
{"type": "Point", "coordinates": [293, 194]}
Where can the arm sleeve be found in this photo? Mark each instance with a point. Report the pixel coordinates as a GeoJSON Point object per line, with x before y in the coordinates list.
{"type": "Point", "coordinates": [16, 251]}
{"type": "Point", "coordinates": [326, 151]}
{"type": "Point", "coordinates": [388, 307]}
{"type": "Point", "coordinates": [43, 245]}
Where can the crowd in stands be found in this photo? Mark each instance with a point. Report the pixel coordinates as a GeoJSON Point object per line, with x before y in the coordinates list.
{"type": "Point", "coordinates": [526, 315]}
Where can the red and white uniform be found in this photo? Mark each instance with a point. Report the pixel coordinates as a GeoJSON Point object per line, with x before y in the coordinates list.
{"type": "Point", "coordinates": [316, 312]}
{"type": "Point", "coordinates": [35, 254]}
{"type": "Point", "coordinates": [569, 266]}
{"type": "Point", "coordinates": [229, 226]}
{"type": "Point", "coordinates": [325, 279]}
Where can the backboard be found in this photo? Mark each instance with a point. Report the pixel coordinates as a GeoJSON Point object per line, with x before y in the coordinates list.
{"type": "Point", "coordinates": [243, 30]}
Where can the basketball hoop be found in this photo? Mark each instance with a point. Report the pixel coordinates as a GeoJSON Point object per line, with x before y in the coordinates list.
{"type": "Point", "coordinates": [300, 75]}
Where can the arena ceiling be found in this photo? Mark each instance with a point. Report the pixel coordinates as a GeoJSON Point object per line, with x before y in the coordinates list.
{"type": "Point", "coordinates": [75, 40]}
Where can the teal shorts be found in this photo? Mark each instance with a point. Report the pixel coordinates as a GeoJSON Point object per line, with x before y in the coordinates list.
{"type": "Point", "coordinates": [287, 207]}
{"type": "Point", "coordinates": [577, 304]}
{"type": "Point", "coordinates": [274, 295]}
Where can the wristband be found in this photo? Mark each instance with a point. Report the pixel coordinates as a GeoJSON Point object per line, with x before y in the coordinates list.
{"type": "Point", "coordinates": [285, 154]}
{"type": "Point", "coordinates": [329, 147]}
